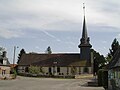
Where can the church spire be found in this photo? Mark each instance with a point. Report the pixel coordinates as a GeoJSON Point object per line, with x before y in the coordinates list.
{"type": "Point", "coordinates": [84, 33]}
{"type": "Point", "coordinates": [85, 39]}
{"type": "Point", "coordinates": [85, 51]}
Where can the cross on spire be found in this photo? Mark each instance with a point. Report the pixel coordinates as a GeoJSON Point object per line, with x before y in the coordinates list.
{"type": "Point", "coordinates": [84, 8]}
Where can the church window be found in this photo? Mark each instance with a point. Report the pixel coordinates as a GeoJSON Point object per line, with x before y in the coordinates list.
{"type": "Point", "coordinates": [67, 70]}
{"type": "Point", "coordinates": [58, 69]}
{"type": "Point", "coordinates": [86, 70]}
{"type": "Point", "coordinates": [26, 69]}
{"type": "Point", "coordinates": [49, 69]}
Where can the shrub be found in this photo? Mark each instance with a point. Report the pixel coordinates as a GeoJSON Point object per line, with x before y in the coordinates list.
{"type": "Point", "coordinates": [103, 78]}
{"type": "Point", "coordinates": [35, 70]}
{"type": "Point", "coordinates": [100, 77]}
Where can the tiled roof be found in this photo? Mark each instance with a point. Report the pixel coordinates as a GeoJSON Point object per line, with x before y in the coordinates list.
{"type": "Point", "coordinates": [67, 59]}
{"type": "Point", "coordinates": [27, 59]}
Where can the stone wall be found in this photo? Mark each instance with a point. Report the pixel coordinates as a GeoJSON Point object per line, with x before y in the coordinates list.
{"type": "Point", "coordinates": [4, 71]}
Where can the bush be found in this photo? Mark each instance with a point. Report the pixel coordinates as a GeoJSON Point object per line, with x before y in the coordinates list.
{"type": "Point", "coordinates": [13, 72]}
{"type": "Point", "coordinates": [103, 78]}
{"type": "Point", "coordinates": [100, 77]}
{"type": "Point", "coordinates": [35, 70]}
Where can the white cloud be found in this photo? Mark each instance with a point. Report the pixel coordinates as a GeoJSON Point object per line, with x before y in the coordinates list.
{"type": "Point", "coordinates": [7, 34]}
{"type": "Point", "coordinates": [56, 15]}
{"type": "Point", "coordinates": [52, 36]}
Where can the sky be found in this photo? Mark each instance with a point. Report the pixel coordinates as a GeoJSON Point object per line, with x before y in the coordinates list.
{"type": "Point", "coordinates": [36, 24]}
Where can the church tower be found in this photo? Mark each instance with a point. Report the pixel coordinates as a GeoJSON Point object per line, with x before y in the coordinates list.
{"type": "Point", "coordinates": [85, 53]}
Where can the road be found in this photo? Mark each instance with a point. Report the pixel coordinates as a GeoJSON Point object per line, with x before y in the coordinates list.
{"type": "Point", "coordinates": [26, 83]}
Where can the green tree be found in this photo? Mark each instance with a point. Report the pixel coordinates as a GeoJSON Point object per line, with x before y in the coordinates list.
{"type": "Point", "coordinates": [20, 54]}
{"type": "Point", "coordinates": [48, 50]}
{"type": "Point", "coordinates": [99, 61]}
{"type": "Point", "coordinates": [114, 47]}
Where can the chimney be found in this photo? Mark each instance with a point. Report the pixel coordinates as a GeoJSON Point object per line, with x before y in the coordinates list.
{"type": "Point", "coordinates": [5, 59]}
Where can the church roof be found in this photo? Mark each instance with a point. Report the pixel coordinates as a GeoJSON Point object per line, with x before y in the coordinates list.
{"type": "Point", "coordinates": [52, 59]}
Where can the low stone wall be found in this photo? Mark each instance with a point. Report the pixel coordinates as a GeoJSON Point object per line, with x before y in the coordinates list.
{"type": "Point", "coordinates": [7, 77]}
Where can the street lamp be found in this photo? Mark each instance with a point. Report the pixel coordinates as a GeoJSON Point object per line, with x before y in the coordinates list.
{"type": "Point", "coordinates": [14, 54]}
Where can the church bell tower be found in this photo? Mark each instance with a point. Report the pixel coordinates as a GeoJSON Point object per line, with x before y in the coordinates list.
{"type": "Point", "coordinates": [85, 52]}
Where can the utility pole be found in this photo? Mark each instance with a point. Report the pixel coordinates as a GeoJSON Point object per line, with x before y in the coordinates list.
{"type": "Point", "coordinates": [14, 55]}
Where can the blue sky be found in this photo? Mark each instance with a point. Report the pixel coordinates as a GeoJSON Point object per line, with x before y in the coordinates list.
{"type": "Point", "coordinates": [36, 24]}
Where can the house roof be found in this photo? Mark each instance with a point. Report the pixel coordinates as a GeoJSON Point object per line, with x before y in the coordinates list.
{"type": "Point", "coordinates": [115, 62]}
{"type": "Point", "coordinates": [66, 59]}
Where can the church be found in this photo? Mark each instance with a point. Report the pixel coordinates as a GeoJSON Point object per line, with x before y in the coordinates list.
{"type": "Point", "coordinates": [67, 64]}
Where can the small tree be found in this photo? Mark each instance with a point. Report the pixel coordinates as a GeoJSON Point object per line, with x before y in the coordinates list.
{"type": "Point", "coordinates": [48, 50]}
{"type": "Point", "coordinates": [19, 55]}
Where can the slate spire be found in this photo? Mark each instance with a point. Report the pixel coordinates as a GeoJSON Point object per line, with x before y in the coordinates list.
{"type": "Point", "coordinates": [84, 33]}
{"type": "Point", "coordinates": [85, 51]}
{"type": "Point", "coordinates": [85, 39]}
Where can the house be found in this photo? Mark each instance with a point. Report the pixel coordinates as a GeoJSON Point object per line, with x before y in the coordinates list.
{"type": "Point", "coordinates": [4, 66]}
{"type": "Point", "coordinates": [114, 72]}
{"type": "Point", "coordinates": [62, 63]}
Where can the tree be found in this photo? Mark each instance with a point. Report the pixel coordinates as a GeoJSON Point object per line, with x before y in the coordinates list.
{"type": "Point", "coordinates": [20, 54]}
{"type": "Point", "coordinates": [99, 61]}
{"type": "Point", "coordinates": [48, 50]}
{"type": "Point", "coordinates": [2, 50]}
{"type": "Point", "coordinates": [115, 45]}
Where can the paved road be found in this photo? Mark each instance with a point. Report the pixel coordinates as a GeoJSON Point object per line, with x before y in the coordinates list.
{"type": "Point", "coordinates": [26, 83]}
